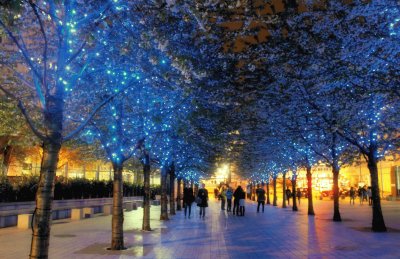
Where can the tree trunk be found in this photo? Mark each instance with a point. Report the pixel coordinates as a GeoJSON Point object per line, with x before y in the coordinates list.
{"type": "Point", "coordinates": [294, 206]}
{"type": "Point", "coordinates": [164, 198]}
{"type": "Point", "coordinates": [229, 175]}
{"type": "Point", "coordinates": [117, 236]}
{"type": "Point", "coordinates": [378, 223]}
{"type": "Point", "coordinates": [6, 159]}
{"type": "Point", "coordinates": [251, 193]}
{"type": "Point", "coordinates": [309, 192]}
{"type": "Point", "coordinates": [179, 195]}
{"type": "Point", "coordinates": [275, 198]}
{"type": "Point", "coordinates": [44, 199]}
{"type": "Point", "coordinates": [146, 194]}
{"type": "Point", "coordinates": [336, 212]}
{"type": "Point", "coordinates": [172, 190]}
{"type": "Point", "coordinates": [284, 190]}
{"type": "Point", "coordinates": [268, 200]}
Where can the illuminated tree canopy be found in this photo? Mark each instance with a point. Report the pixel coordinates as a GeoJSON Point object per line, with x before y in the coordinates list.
{"type": "Point", "coordinates": [273, 85]}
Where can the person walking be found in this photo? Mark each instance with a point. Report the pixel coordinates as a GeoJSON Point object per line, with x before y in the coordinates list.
{"type": "Point", "coordinates": [360, 194]}
{"type": "Point", "coordinates": [242, 199]}
{"type": "Point", "coordinates": [188, 199]}
{"type": "Point", "coordinates": [260, 198]}
{"type": "Point", "coordinates": [369, 194]}
{"type": "Point", "coordinates": [223, 197]}
{"type": "Point", "coordinates": [229, 195]}
{"type": "Point", "coordinates": [216, 193]}
{"type": "Point", "coordinates": [202, 195]}
{"type": "Point", "coordinates": [298, 195]}
{"type": "Point", "coordinates": [352, 195]}
{"type": "Point", "coordinates": [288, 194]}
{"type": "Point", "coordinates": [237, 195]}
{"type": "Point", "coordinates": [365, 193]}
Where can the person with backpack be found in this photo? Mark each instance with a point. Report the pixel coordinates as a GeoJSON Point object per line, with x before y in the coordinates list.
{"type": "Point", "coordinates": [260, 192]}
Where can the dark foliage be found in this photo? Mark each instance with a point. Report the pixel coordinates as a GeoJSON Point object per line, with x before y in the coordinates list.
{"type": "Point", "coordinates": [24, 189]}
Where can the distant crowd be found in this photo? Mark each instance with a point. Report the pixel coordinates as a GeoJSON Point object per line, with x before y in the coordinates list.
{"type": "Point", "coordinates": [364, 193]}
{"type": "Point", "coordinates": [228, 196]}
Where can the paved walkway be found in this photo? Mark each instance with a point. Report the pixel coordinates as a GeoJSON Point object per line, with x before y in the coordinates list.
{"type": "Point", "coordinates": [277, 233]}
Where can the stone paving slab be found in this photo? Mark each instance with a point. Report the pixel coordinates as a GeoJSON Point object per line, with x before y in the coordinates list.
{"type": "Point", "coordinates": [277, 233]}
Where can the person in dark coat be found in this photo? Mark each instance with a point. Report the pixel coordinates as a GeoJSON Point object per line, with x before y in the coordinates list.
{"type": "Point", "coordinates": [288, 194]}
{"type": "Point", "coordinates": [298, 194]}
{"type": "Point", "coordinates": [188, 199]}
{"type": "Point", "coordinates": [260, 198]}
{"type": "Point", "coordinates": [202, 196]}
{"type": "Point", "coordinates": [238, 194]}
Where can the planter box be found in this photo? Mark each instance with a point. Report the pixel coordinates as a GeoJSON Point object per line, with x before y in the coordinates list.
{"type": "Point", "coordinates": [62, 209]}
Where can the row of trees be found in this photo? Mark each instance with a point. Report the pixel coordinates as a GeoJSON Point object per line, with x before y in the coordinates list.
{"type": "Point", "coordinates": [162, 83]}
{"type": "Point", "coordinates": [327, 93]}
{"type": "Point", "coordinates": [120, 74]}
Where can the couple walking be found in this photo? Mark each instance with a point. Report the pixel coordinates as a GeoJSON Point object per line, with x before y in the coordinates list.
{"type": "Point", "coordinates": [201, 200]}
{"type": "Point", "coordinates": [239, 201]}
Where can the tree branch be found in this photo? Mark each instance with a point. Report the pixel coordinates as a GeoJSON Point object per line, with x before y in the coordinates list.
{"type": "Point", "coordinates": [76, 54]}
{"type": "Point", "coordinates": [23, 51]}
{"type": "Point", "coordinates": [83, 125]}
{"type": "Point", "coordinates": [19, 75]}
{"type": "Point", "coordinates": [44, 79]}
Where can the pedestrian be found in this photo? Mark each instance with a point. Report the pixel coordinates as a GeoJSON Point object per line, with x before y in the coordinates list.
{"type": "Point", "coordinates": [216, 193]}
{"type": "Point", "coordinates": [242, 199]}
{"type": "Point", "coordinates": [188, 199]}
{"type": "Point", "coordinates": [364, 193]}
{"type": "Point", "coordinates": [248, 191]}
{"type": "Point", "coordinates": [369, 194]}
{"type": "Point", "coordinates": [288, 195]}
{"type": "Point", "coordinates": [229, 195]}
{"type": "Point", "coordinates": [202, 196]}
{"type": "Point", "coordinates": [298, 194]}
{"type": "Point", "coordinates": [260, 198]}
{"type": "Point", "coordinates": [236, 195]}
{"type": "Point", "coordinates": [223, 197]}
{"type": "Point", "coordinates": [360, 194]}
{"type": "Point", "coordinates": [352, 195]}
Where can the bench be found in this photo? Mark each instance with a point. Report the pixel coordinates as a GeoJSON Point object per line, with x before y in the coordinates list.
{"type": "Point", "coordinates": [156, 202]}
{"type": "Point", "coordinates": [107, 209]}
{"type": "Point", "coordinates": [24, 221]}
{"type": "Point", "coordinates": [20, 214]}
{"type": "Point", "coordinates": [80, 213]}
{"type": "Point", "coordinates": [130, 205]}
